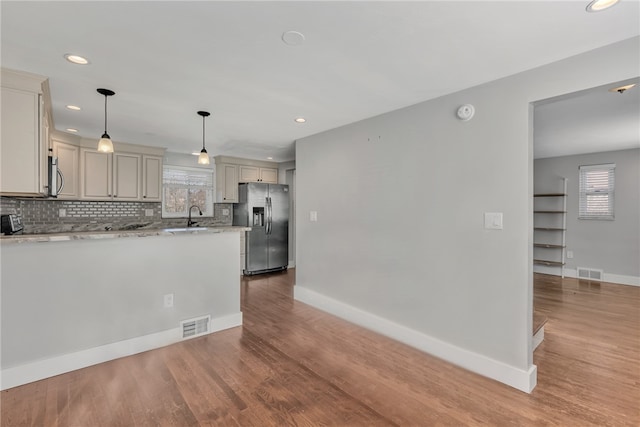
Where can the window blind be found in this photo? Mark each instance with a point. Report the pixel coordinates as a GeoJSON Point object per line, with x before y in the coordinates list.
{"type": "Point", "coordinates": [184, 187]}
{"type": "Point", "coordinates": [597, 184]}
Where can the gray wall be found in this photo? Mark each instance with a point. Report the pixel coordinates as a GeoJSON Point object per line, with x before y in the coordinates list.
{"type": "Point", "coordinates": [64, 297]}
{"type": "Point", "coordinates": [613, 246]}
{"type": "Point", "coordinates": [400, 201]}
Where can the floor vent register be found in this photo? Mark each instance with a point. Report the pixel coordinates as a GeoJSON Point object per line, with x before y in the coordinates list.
{"type": "Point", "coordinates": [195, 327]}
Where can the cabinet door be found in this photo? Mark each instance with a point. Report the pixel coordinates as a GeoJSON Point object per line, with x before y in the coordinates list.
{"type": "Point", "coordinates": [226, 183]}
{"type": "Point", "coordinates": [95, 175]}
{"type": "Point", "coordinates": [68, 158]}
{"type": "Point", "coordinates": [249, 174]}
{"type": "Point", "coordinates": [127, 171]}
{"type": "Point", "coordinates": [269, 175]}
{"type": "Point", "coordinates": [21, 156]}
{"type": "Point", "coordinates": [151, 179]}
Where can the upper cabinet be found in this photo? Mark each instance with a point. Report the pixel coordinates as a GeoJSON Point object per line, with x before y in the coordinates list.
{"type": "Point", "coordinates": [131, 173]}
{"type": "Point", "coordinates": [151, 178]}
{"type": "Point", "coordinates": [24, 136]}
{"type": "Point", "coordinates": [124, 176]}
{"type": "Point", "coordinates": [230, 171]}
{"type": "Point", "coordinates": [258, 174]}
{"type": "Point", "coordinates": [69, 166]}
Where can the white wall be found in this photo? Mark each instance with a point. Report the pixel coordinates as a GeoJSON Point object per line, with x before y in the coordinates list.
{"type": "Point", "coordinates": [613, 246]}
{"type": "Point", "coordinates": [399, 244]}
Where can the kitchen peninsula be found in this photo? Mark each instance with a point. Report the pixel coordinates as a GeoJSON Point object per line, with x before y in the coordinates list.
{"type": "Point", "coordinates": [71, 300]}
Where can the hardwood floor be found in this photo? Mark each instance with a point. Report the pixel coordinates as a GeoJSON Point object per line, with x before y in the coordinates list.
{"type": "Point", "coordinates": [293, 365]}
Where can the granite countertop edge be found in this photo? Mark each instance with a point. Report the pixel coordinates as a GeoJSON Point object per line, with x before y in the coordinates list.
{"type": "Point", "coordinates": [96, 235]}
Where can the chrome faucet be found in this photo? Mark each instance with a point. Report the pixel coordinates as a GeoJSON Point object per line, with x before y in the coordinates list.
{"type": "Point", "coordinates": [191, 223]}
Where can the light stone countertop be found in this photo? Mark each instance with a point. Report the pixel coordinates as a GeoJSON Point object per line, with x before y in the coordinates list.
{"type": "Point", "coordinates": [95, 235]}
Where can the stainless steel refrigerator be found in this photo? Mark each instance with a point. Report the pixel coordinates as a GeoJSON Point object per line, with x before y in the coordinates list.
{"type": "Point", "coordinates": [264, 208]}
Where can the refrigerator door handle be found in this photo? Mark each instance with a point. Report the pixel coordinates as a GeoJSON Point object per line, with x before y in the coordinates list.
{"type": "Point", "coordinates": [270, 215]}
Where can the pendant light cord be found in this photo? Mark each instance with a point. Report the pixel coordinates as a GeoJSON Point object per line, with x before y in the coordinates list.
{"type": "Point", "coordinates": [203, 117]}
{"type": "Point", "coordinates": [105, 114]}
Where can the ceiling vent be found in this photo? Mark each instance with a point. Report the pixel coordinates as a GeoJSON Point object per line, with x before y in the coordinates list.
{"type": "Point", "coordinates": [590, 274]}
{"type": "Point", "coordinates": [195, 327]}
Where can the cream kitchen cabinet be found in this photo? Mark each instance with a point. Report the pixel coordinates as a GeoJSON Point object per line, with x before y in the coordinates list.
{"type": "Point", "coordinates": [230, 171]}
{"type": "Point", "coordinates": [127, 175]}
{"type": "Point", "coordinates": [258, 174]}
{"type": "Point", "coordinates": [24, 144]}
{"type": "Point", "coordinates": [226, 183]}
{"type": "Point", "coordinates": [96, 175]}
{"type": "Point", "coordinates": [151, 178]}
{"type": "Point", "coordinates": [110, 176]}
{"type": "Point", "coordinates": [69, 165]}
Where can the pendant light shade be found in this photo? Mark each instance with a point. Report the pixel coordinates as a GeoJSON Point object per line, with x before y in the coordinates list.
{"type": "Point", "coordinates": [203, 158]}
{"type": "Point", "coordinates": [105, 145]}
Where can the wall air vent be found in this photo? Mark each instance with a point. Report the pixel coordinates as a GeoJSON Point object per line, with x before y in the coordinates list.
{"type": "Point", "coordinates": [195, 327]}
{"type": "Point", "coordinates": [590, 274]}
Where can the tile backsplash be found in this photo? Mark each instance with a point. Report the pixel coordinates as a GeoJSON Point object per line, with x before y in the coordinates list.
{"type": "Point", "coordinates": [55, 216]}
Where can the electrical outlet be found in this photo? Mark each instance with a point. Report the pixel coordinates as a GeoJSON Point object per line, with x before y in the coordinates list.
{"type": "Point", "coordinates": [62, 213]}
{"type": "Point", "coordinates": [313, 216]}
{"type": "Point", "coordinates": [148, 212]}
{"type": "Point", "coordinates": [570, 254]}
{"type": "Point", "coordinates": [225, 212]}
{"type": "Point", "coordinates": [168, 301]}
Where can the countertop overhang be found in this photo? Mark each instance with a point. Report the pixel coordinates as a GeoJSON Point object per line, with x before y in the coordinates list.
{"type": "Point", "coordinates": [96, 235]}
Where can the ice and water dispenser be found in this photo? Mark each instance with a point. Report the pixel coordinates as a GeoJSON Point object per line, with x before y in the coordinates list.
{"type": "Point", "coordinates": [258, 217]}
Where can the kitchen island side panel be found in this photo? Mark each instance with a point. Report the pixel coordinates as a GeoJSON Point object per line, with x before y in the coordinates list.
{"type": "Point", "coordinates": [64, 297]}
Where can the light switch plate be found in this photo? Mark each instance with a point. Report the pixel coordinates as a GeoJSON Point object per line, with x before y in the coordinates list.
{"type": "Point", "coordinates": [62, 213]}
{"type": "Point", "coordinates": [313, 216]}
{"type": "Point", "coordinates": [148, 212]}
{"type": "Point", "coordinates": [570, 254]}
{"type": "Point", "coordinates": [493, 220]}
{"type": "Point", "coordinates": [225, 212]}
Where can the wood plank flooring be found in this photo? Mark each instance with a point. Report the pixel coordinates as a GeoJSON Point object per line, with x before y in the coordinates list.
{"type": "Point", "coordinates": [293, 365]}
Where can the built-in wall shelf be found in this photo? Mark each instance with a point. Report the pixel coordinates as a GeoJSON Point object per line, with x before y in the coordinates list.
{"type": "Point", "coordinates": [549, 263]}
{"type": "Point", "coordinates": [550, 228]}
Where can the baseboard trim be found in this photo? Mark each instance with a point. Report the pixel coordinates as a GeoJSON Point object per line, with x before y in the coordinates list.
{"type": "Point", "coordinates": [524, 380]}
{"type": "Point", "coordinates": [35, 371]}
{"type": "Point", "coordinates": [619, 279]}
{"type": "Point", "coordinates": [538, 338]}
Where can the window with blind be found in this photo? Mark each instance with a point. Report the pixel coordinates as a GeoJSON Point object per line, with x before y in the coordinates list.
{"type": "Point", "coordinates": [596, 191]}
{"type": "Point", "coordinates": [183, 187]}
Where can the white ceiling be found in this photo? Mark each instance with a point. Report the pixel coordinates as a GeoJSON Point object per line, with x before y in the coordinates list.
{"type": "Point", "coordinates": [167, 60]}
{"type": "Point", "coordinates": [589, 121]}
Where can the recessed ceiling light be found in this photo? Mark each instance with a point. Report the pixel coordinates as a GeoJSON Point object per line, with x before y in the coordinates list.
{"type": "Point", "coordinates": [299, 120]}
{"type": "Point", "coordinates": [269, 158]}
{"type": "Point", "coordinates": [293, 38]}
{"type": "Point", "coordinates": [622, 89]}
{"type": "Point", "coordinates": [72, 130]}
{"type": "Point", "coordinates": [76, 59]}
{"type": "Point", "coordinates": [599, 5]}
{"type": "Point", "coordinates": [74, 107]}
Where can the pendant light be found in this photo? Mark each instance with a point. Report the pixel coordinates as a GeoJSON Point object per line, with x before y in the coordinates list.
{"type": "Point", "coordinates": [105, 145]}
{"type": "Point", "coordinates": [203, 158]}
